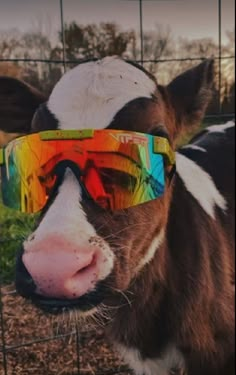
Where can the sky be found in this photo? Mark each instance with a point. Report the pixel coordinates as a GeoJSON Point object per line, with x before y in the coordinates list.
{"type": "Point", "coordinates": [186, 18]}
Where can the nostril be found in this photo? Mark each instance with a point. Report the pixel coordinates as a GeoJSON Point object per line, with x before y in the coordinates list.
{"type": "Point", "coordinates": [84, 279]}
{"type": "Point", "coordinates": [87, 267]}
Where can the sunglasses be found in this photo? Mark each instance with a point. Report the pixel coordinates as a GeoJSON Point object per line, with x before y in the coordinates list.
{"type": "Point", "coordinates": [116, 169]}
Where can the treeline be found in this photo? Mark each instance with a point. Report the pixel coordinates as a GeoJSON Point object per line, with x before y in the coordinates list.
{"type": "Point", "coordinates": [99, 40]}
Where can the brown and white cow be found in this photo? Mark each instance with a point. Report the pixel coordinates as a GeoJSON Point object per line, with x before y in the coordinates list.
{"type": "Point", "coordinates": [164, 269]}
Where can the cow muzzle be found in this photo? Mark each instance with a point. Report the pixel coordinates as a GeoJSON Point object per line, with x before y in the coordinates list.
{"type": "Point", "coordinates": [56, 272]}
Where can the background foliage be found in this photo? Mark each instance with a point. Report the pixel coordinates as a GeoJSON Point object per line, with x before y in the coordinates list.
{"type": "Point", "coordinates": [104, 39]}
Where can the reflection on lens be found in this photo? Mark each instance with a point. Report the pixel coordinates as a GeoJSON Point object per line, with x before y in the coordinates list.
{"type": "Point", "coordinates": [117, 169]}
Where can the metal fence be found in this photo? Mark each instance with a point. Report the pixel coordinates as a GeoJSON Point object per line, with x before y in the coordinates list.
{"type": "Point", "coordinates": [71, 351]}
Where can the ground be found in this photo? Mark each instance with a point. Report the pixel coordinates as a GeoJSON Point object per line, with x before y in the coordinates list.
{"type": "Point", "coordinates": [44, 345]}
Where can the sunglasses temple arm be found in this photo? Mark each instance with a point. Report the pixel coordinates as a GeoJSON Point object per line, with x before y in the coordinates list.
{"type": "Point", "coordinates": [1, 157]}
{"type": "Point", "coordinates": [171, 174]}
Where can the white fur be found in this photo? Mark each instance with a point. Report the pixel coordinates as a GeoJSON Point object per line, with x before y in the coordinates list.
{"type": "Point", "coordinates": [91, 94]}
{"type": "Point", "coordinates": [66, 216]}
{"type": "Point", "coordinates": [195, 147]}
{"type": "Point", "coordinates": [156, 243]}
{"type": "Point", "coordinates": [169, 360]}
{"type": "Point", "coordinates": [220, 128]}
{"type": "Point", "coordinates": [200, 184]}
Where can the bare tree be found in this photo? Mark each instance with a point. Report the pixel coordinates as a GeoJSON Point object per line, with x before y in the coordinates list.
{"type": "Point", "coordinates": [158, 44]}
{"type": "Point", "coordinates": [228, 73]}
{"type": "Point", "coordinates": [94, 40]}
{"type": "Point", "coordinates": [10, 43]}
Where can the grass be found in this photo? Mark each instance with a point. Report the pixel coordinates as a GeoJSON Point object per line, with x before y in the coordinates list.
{"type": "Point", "coordinates": [14, 227]}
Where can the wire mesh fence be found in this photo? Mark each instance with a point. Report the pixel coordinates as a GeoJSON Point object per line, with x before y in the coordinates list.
{"type": "Point", "coordinates": [33, 343]}
{"type": "Point", "coordinates": [30, 342]}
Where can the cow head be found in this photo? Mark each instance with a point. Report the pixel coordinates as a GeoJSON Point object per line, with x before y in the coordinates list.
{"type": "Point", "coordinates": [80, 254]}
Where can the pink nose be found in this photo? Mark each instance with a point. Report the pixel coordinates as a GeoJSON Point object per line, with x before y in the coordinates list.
{"type": "Point", "coordinates": [60, 269]}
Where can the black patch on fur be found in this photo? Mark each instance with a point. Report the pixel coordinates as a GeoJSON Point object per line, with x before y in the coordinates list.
{"type": "Point", "coordinates": [44, 119]}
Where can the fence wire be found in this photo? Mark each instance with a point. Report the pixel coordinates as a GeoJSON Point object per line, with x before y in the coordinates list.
{"type": "Point", "coordinates": [88, 350]}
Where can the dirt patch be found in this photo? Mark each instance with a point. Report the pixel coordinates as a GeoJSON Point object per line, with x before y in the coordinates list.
{"type": "Point", "coordinates": [36, 344]}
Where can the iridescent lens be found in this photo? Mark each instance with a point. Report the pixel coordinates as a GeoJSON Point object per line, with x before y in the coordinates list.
{"type": "Point", "coordinates": [117, 169]}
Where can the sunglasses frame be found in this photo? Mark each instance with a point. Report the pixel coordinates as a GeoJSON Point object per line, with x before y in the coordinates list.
{"type": "Point", "coordinates": [157, 145]}
{"type": "Point", "coordinates": [161, 145]}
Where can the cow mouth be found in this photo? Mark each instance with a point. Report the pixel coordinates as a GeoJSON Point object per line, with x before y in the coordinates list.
{"type": "Point", "coordinates": [85, 303]}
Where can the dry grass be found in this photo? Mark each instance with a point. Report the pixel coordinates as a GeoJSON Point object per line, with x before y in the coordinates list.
{"type": "Point", "coordinates": [40, 345]}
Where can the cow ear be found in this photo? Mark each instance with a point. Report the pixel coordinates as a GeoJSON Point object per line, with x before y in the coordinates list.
{"type": "Point", "coordinates": [18, 102]}
{"type": "Point", "coordinates": [190, 94]}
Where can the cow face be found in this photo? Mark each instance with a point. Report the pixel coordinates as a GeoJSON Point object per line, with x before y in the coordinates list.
{"type": "Point", "coordinates": [81, 254]}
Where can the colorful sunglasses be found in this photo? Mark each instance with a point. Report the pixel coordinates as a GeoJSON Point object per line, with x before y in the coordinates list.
{"type": "Point", "coordinates": [116, 169]}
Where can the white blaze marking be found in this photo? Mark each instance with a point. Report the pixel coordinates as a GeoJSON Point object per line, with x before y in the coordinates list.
{"type": "Point", "coordinates": [91, 94]}
{"type": "Point", "coordinates": [169, 360]}
{"type": "Point", "coordinates": [151, 251]}
{"type": "Point", "coordinates": [66, 216]}
{"type": "Point", "coordinates": [220, 128]}
{"type": "Point", "coordinates": [200, 184]}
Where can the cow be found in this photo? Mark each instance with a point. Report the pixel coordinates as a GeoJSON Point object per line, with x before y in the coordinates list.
{"type": "Point", "coordinates": [18, 102]}
{"type": "Point", "coordinates": [162, 271]}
